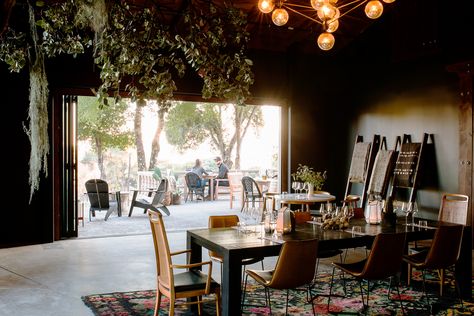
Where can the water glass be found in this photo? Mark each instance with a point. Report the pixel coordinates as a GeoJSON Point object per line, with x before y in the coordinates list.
{"type": "Point", "coordinates": [356, 231]}
{"type": "Point", "coordinates": [423, 223]}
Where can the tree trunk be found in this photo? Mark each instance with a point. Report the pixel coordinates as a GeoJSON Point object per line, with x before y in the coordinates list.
{"type": "Point", "coordinates": [155, 144]}
{"type": "Point", "coordinates": [238, 142]}
{"type": "Point", "coordinates": [141, 162]}
{"type": "Point", "coordinates": [100, 158]}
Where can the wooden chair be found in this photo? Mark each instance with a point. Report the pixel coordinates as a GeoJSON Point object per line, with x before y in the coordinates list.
{"type": "Point", "coordinates": [99, 198]}
{"type": "Point", "coordinates": [294, 268]}
{"type": "Point", "coordinates": [221, 221]}
{"type": "Point", "coordinates": [384, 261]}
{"type": "Point", "coordinates": [454, 209]}
{"type": "Point", "coordinates": [235, 186]}
{"type": "Point", "coordinates": [189, 284]}
{"type": "Point", "coordinates": [157, 197]}
{"type": "Point", "coordinates": [443, 253]}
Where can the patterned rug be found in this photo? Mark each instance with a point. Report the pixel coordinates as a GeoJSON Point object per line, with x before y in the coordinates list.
{"type": "Point", "coordinates": [142, 302]}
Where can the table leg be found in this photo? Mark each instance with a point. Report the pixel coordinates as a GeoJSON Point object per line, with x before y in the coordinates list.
{"type": "Point", "coordinates": [464, 265]}
{"type": "Point", "coordinates": [193, 257]}
{"type": "Point", "coordinates": [231, 284]}
{"type": "Point", "coordinates": [211, 189]}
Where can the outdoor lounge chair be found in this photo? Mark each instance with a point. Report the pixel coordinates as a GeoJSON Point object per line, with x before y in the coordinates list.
{"type": "Point", "coordinates": [99, 198]}
{"type": "Point", "coordinates": [156, 196]}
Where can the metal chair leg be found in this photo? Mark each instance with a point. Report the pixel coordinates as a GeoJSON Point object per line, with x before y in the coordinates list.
{"type": "Point", "coordinates": [400, 299]}
{"type": "Point", "coordinates": [287, 298]}
{"type": "Point", "coordinates": [330, 288]}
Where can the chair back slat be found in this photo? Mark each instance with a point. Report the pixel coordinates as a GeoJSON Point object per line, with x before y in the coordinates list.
{"type": "Point", "coordinates": [295, 265]}
{"type": "Point", "coordinates": [385, 258]}
{"type": "Point", "coordinates": [454, 209]}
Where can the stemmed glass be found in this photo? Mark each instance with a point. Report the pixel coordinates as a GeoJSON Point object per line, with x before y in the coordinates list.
{"type": "Point", "coordinates": [407, 210]}
{"type": "Point", "coordinates": [306, 187]}
{"type": "Point", "coordinates": [414, 210]}
{"type": "Point", "coordinates": [295, 185]}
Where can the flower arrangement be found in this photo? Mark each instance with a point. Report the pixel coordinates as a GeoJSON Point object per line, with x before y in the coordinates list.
{"type": "Point", "coordinates": [307, 174]}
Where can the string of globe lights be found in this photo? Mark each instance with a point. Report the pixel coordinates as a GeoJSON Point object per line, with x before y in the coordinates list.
{"type": "Point", "coordinates": [324, 12]}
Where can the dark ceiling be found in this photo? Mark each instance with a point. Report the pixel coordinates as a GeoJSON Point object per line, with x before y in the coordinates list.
{"type": "Point", "coordinates": [299, 33]}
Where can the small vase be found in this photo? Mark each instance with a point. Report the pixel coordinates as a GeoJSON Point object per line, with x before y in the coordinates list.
{"type": "Point", "coordinates": [310, 188]}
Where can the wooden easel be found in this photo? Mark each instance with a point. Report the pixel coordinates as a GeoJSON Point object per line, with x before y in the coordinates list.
{"type": "Point", "coordinates": [374, 147]}
{"type": "Point", "coordinates": [386, 167]}
{"type": "Point", "coordinates": [413, 184]}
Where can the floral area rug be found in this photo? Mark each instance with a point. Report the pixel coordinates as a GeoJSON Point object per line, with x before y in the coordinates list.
{"type": "Point", "coordinates": [141, 303]}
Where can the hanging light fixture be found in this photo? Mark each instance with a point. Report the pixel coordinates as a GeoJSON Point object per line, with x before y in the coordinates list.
{"type": "Point", "coordinates": [327, 13]}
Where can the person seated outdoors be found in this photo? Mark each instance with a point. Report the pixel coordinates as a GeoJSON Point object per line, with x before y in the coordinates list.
{"type": "Point", "coordinates": [199, 170]}
{"type": "Point", "coordinates": [222, 174]}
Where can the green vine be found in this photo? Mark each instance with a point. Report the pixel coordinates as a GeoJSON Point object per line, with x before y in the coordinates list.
{"type": "Point", "coordinates": [135, 51]}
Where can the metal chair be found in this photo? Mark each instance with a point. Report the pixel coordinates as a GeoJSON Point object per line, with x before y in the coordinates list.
{"type": "Point", "coordinates": [195, 185]}
{"type": "Point", "coordinates": [99, 198]}
{"type": "Point", "coordinates": [384, 261]}
{"type": "Point", "coordinates": [155, 203]}
{"type": "Point", "coordinates": [192, 283]}
{"type": "Point", "coordinates": [252, 193]}
{"type": "Point", "coordinates": [294, 268]}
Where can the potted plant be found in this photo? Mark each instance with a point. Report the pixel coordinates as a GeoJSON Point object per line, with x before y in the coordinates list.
{"type": "Point", "coordinates": [177, 197]}
{"type": "Point", "coordinates": [314, 179]}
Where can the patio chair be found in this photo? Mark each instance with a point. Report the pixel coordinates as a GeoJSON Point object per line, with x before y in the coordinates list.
{"type": "Point", "coordinates": [252, 193]}
{"type": "Point", "coordinates": [99, 198]}
{"type": "Point", "coordinates": [156, 196]}
{"type": "Point", "coordinates": [195, 186]}
{"type": "Point", "coordinates": [235, 186]}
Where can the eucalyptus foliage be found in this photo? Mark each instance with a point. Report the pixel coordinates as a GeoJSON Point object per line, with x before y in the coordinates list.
{"type": "Point", "coordinates": [135, 50]}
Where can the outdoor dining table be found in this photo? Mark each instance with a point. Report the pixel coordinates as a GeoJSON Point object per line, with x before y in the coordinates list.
{"type": "Point", "coordinates": [234, 246]}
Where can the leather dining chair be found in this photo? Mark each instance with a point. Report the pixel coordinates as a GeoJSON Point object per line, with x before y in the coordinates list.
{"type": "Point", "coordinates": [294, 268]}
{"type": "Point", "coordinates": [443, 253]}
{"type": "Point", "coordinates": [383, 262]}
{"type": "Point", "coordinates": [221, 221]}
{"type": "Point", "coordinates": [188, 284]}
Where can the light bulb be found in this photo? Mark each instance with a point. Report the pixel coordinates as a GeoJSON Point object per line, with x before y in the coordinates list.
{"type": "Point", "coordinates": [280, 16]}
{"type": "Point", "coordinates": [317, 4]}
{"type": "Point", "coordinates": [327, 12]}
{"type": "Point", "coordinates": [332, 26]}
{"type": "Point", "coordinates": [326, 41]}
{"type": "Point", "coordinates": [388, 1]}
{"type": "Point", "coordinates": [266, 6]}
{"type": "Point", "coordinates": [373, 9]}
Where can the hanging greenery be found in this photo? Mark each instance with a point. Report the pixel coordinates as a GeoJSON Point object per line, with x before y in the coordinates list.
{"type": "Point", "coordinates": [135, 51]}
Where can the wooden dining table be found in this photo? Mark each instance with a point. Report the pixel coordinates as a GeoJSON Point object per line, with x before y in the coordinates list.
{"type": "Point", "coordinates": [234, 246]}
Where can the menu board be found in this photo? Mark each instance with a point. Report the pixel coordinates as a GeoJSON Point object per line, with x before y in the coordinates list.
{"type": "Point", "coordinates": [405, 167]}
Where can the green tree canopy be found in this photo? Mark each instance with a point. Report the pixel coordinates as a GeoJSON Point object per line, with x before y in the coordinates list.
{"type": "Point", "coordinates": [190, 124]}
{"type": "Point", "coordinates": [105, 127]}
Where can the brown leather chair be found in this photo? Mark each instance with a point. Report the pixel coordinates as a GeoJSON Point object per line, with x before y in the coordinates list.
{"type": "Point", "coordinates": [221, 221]}
{"type": "Point", "coordinates": [192, 283]}
{"type": "Point", "coordinates": [384, 261]}
{"type": "Point", "coordinates": [294, 268]}
{"type": "Point", "coordinates": [443, 253]}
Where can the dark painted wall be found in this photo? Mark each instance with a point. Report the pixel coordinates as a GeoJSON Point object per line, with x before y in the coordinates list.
{"type": "Point", "coordinates": [391, 80]}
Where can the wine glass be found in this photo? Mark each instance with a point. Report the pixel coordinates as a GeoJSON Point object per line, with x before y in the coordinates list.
{"type": "Point", "coordinates": [306, 187]}
{"type": "Point", "coordinates": [414, 210]}
{"type": "Point", "coordinates": [407, 210]}
{"type": "Point", "coordinates": [294, 185]}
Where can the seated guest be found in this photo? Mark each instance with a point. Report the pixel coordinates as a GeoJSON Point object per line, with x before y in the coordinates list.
{"type": "Point", "coordinates": [199, 170]}
{"type": "Point", "coordinates": [222, 174]}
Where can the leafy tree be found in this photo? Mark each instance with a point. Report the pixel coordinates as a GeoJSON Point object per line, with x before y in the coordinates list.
{"type": "Point", "coordinates": [105, 128]}
{"type": "Point", "coordinates": [190, 124]}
